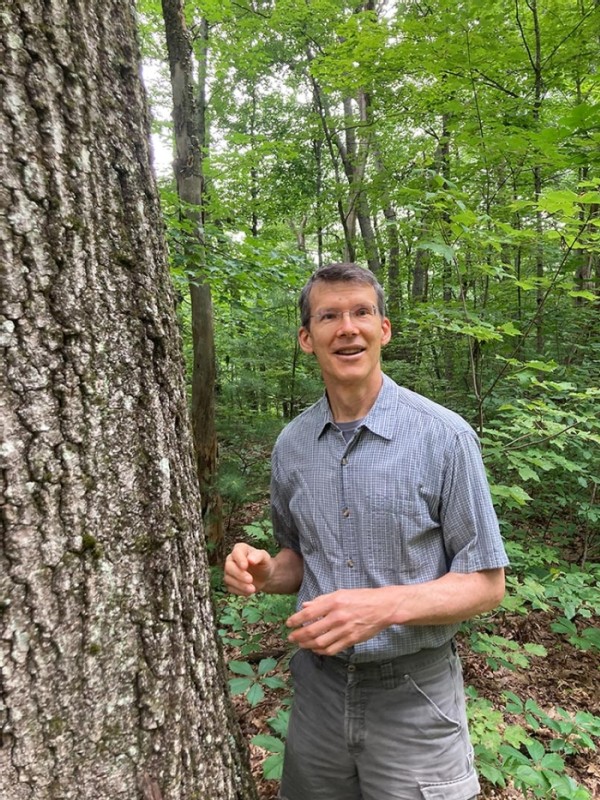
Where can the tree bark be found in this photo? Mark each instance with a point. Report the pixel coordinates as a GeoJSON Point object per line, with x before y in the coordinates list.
{"type": "Point", "coordinates": [112, 683]}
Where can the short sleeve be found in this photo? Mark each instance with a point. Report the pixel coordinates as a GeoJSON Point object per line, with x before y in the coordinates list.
{"type": "Point", "coordinates": [469, 523]}
{"type": "Point", "coordinates": [284, 530]}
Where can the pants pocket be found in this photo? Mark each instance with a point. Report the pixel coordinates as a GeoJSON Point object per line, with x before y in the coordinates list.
{"type": "Point", "coordinates": [439, 688]}
{"type": "Point", "coordinates": [465, 788]}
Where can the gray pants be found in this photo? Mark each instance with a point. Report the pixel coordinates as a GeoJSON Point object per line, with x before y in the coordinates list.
{"type": "Point", "coordinates": [393, 730]}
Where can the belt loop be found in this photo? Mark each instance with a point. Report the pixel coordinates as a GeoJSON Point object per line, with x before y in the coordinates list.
{"type": "Point", "coordinates": [386, 670]}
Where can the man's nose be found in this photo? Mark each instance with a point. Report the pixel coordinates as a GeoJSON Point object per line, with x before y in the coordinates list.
{"type": "Point", "coordinates": [347, 322]}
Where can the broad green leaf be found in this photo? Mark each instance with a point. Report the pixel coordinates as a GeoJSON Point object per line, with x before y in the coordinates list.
{"type": "Point", "coordinates": [530, 776]}
{"type": "Point", "coordinates": [526, 473]}
{"type": "Point", "coordinates": [239, 685]}
{"type": "Point", "coordinates": [268, 742]}
{"type": "Point", "coordinates": [266, 665]}
{"type": "Point", "coordinates": [273, 682]}
{"type": "Point", "coordinates": [255, 694]}
{"type": "Point", "coordinates": [273, 767]}
{"type": "Point", "coordinates": [553, 761]}
{"type": "Point", "coordinates": [584, 294]}
{"type": "Point", "coordinates": [535, 649]}
{"type": "Point", "coordinates": [241, 668]}
{"type": "Point", "coordinates": [515, 493]}
{"type": "Point", "coordinates": [440, 249]}
{"type": "Point", "coordinates": [510, 330]}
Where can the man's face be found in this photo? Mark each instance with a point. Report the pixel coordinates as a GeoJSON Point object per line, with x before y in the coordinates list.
{"type": "Point", "coordinates": [347, 349]}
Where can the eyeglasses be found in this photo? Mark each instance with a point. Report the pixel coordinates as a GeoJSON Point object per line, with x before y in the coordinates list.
{"type": "Point", "coordinates": [364, 314]}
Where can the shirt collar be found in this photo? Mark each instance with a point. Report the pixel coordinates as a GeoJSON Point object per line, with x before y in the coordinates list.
{"type": "Point", "coordinates": [380, 419]}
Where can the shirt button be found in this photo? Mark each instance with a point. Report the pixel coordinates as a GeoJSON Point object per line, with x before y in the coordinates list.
{"type": "Point", "coordinates": [344, 461]}
{"type": "Point", "coordinates": [350, 563]}
{"type": "Point", "coordinates": [345, 512]}
{"type": "Point", "coordinates": [351, 668]}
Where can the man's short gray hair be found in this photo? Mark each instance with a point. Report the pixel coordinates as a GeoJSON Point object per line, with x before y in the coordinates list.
{"type": "Point", "coordinates": [339, 273]}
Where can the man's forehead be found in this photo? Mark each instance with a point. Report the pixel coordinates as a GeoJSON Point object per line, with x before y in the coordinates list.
{"type": "Point", "coordinates": [339, 292]}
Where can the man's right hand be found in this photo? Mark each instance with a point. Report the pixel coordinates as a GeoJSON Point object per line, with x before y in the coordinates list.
{"type": "Point", "coordinates": [247, 570]}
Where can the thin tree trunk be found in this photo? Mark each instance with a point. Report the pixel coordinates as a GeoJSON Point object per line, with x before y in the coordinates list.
{"type": "Point", "coordinates": [394, 293]}
{"type": "Point", "coordinates": [364, 214]}
{"type": "Point", "coordinates": [112, 682]}
{"type": "Point", "coordinates": [535, 60]}
{"type": "Point", "coordinates": [322, 110]}
{"type": "Point", "coordinates": [317, 149]}
{"type": "Point", "coordinates": [189, 106]}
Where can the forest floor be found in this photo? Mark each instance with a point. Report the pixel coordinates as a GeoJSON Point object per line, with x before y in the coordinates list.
{"type": "Point", "coordinates": [566, 677]}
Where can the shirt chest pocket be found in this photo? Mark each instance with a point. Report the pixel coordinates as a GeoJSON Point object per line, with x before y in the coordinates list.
{"type": "Point", "coordinates": [401, 533]}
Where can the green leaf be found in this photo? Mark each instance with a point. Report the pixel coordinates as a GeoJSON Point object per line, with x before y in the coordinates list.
{"type": "Point", "coordinates": [558, 200]}
{"type": "Point", "coordinates": [241, 668]}
{"type": "Point", "coordinates": [491, 773]}
{"type": "Point", "coordinates": [583, 293]}
{"type": "Point", "coordinates": [513, 755]}
{"type": "Point", "coordinates": [515, 493]}
{"type": "Point", "coordinates": [280, 723]}
{"type": "Point", "coordinates": [535, 649]}
{"type": "Point", "coordinates": [527, 474]}
{"type": "Point", "coordinates": [510, 330]}
{"type": "Point", "coordinates": [273, 767]}
{"type": "Point", "coordinates": [268, 742]}
{"type": "Point", "coordinates": [530, 776]}
{"type": "Point", "coordinates": [440, 249]}
{"type": "Point", "coordinates": [553, 761]}
{"type": "Point", "coordinates": [266, 665]}
{"type": "Point", "coordinates": [251, 614]}
{"type": "Point", "coordinates": [239, 685]}
{"type": "Point", "coordinates": [591, 636]}
{"type": "Point", "coordinates": [273, 682]}
{"type": "Point", "coordinates": [255, 694]}
{"type": "Point", "coordinates": [536, 749]}
{"type": "Point", "coordinates": [514, 703]}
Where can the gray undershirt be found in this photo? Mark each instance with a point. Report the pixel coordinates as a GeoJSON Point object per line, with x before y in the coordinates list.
{"type": "Point", "coordinates": [348, 429]}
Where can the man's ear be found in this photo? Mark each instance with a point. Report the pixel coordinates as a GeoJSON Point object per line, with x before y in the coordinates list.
{"type": "Point", "coordinates": [386, 330]}
{"type": "Point", "coordinates": [305, 340]}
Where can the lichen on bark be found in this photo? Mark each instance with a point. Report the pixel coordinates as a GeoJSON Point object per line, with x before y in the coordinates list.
{"type": "Point", "coordinates": [112, 682]}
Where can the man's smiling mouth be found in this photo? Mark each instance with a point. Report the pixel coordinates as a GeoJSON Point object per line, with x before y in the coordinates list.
{"type": "Point", "coordinates": [349, 351]}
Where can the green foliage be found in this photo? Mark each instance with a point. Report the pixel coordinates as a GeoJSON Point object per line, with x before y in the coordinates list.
{"type": "Point", "coordinates": [253, 681]}
{"type": "Point", "coordinates": [571, 733]}
{"type": "Point", "coordinates": [548, 437]}
{"type": "Point", "coordinates": [260, 534]}
{"type": "Point", "coordinates": [543, 581]}
{"type": "Point", "coordinates": [507, 752]}
{"type": "Point", "coordinates": [242, 620]}
{"type": "Point", "coordinates": [502, 652]}
{"type": "Point", "coordinates": [275, 745]}
{"type": "Point", "coordinates": [587, 639]}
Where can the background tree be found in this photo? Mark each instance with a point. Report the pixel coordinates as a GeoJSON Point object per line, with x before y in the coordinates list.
{"type": "Point", "coordinates": [112, 681]}
{"type": "Point", "coordinates": [188, 86]}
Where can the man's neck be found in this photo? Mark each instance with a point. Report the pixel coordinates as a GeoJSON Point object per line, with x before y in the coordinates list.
{"type": "Point", "coordinates": [349, 403]}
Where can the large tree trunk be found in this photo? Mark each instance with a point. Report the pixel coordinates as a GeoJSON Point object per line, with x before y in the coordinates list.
{"type": "Point", "coordinates": [112, 684]}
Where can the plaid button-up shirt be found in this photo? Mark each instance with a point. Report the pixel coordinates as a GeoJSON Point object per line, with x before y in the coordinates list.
{"type": "Point", "coordinates": [405, 501]}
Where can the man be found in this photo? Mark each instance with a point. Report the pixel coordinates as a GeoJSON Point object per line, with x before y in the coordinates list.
{"type": "Point", "coordinates": [383, 515]}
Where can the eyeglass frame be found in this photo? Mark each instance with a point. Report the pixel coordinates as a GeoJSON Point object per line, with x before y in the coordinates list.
{"type": "Point", "coordinates": [338, 316]}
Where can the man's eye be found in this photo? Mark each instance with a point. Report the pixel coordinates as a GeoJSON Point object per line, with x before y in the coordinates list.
{"type": "Point", "coordinates": [328, 316]}
{"type": "Point", "coordinates": [362, 312]}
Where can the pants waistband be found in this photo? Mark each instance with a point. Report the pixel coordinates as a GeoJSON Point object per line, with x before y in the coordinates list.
{"type": "Point", "coordinates": [383, 669]}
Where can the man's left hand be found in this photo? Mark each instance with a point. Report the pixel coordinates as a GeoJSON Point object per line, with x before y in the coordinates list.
{"type": "Point", "coordinates": [333, 622]}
